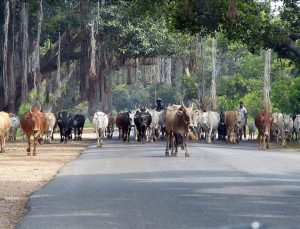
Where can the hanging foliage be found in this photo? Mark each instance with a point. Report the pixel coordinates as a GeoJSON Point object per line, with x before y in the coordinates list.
{"type": "Point", "coordinates": [5, 54]}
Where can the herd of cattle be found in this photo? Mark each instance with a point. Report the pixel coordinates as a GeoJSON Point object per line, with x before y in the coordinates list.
{"type": "Point", "coordinates": [175, 124]}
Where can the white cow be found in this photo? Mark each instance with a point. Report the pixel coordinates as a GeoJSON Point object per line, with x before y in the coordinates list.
{"type": "Point", "coordinates": [51, 120]}
{"type": "Point", "coordinates": [297, 126]}
{"type": "Point", "coordinates": [154, 126]}
{"type": "Point", "coordinates": [131, 116]}
{"type": "Point", "coordinates": [210, 124]}
{"type": "Point", "coordinates": [197, 122]}
{"type": "Point", "coordinates": [15, 124]}
{"type": "Point", "coordinates": [286, 127]}
{"type": "Point", "coordinates": [277, 125]}
{"type": "Point", "coordinates": [162, 123]}
{"type": "Point", "coordinates": [100, 123]}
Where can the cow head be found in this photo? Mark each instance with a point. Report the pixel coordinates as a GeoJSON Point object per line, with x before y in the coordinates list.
{"type": "Point", "coordinates": [36, 127]}
{"type": "Point", "coordinates": [187, 115]}
{"type": "Point", "coordinates": [238, 118]}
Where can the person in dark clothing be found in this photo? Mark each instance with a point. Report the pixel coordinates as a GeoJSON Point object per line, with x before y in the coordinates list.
{"type": "Point", "coordinates": [159, 106]}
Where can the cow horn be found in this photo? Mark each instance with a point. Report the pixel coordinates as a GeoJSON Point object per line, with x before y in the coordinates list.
{"type": "Point", "coordinates": [30, 111]}
{"type": "Point", "coordinates": [182, 103]}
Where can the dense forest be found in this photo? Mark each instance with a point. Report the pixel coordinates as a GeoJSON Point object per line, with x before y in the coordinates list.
{"type": "Point", "coordinates": [112, 55]}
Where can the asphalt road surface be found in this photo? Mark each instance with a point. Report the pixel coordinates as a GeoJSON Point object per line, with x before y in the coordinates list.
{"type": "Point", "coordinates": [135, 186]}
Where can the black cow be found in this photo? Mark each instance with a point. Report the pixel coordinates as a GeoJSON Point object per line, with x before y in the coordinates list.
{"type": "Point", "coordinates": [65, 125]}
{"type": "Point", "coordinates": [142, 120]}
{"type": "Point", "coordinates": [124, 123]}
{"type": "Point", "coordinates": [222, 127]}
{"type": "Point", "coordinates": [78, 123]}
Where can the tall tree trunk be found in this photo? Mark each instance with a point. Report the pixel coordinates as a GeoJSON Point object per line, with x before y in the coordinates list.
{"type": "Point", "coordinates": [36, 60]}
{"type": "Point", "coordinates": [167, 72]}
{"type": "Point", "coordinates": [5, 55]}
{"type": "Point", "coordinates": [201, 89]}
{"type": "Point", "coordinates": [25, 48]}
{"type": "Point", "coordinates": [108, 91]}
{"type": "Point", "coordinates": [56, 95]}
{"type": "Point", "coordinates": [131, 77]}
{"type": "Point", "coordinates": [213, 102]}
{"type": "Point", "coordinates": [92, 69]}
{"type": "Point", "coordinates": [12, 64]}
{"type": "Point", "coordinates": [267, 101]}
{"type": "Point", "coordinates": [58, 76]}
{"type": "Point", "coordinates": [119, 77]}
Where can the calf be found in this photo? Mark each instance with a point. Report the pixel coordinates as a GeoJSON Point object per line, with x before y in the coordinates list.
{"type": "Point", "coordinates": [78, 124]}
{"type": "Point", "coordinates": [233, 123]}
{"type": "Point", "coordinates": [33, 124]}
{"type": "Point", "coordinates": [251, 129]}
{"type": "Point", "coordinates": [142, 121]}
{"type": "Point", "coordinates": [65, 125]}
{"type": "Point", "coordinates": [263, 122]}
{"type": "Point", "coordinates": [5, 124]}
{"type": "Point", "coordinates": [15, 123]}
{"type": "Point", "coordinates": [100, 123]}
{"type": "Point", "coordinates": [178, 119]}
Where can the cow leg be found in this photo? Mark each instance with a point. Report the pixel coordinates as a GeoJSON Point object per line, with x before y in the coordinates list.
{"type": "Point", "coordinates": [268, 142]}
{"type": "Point", "coordinates": [174, 142]}
{"type": "Point", "coordinates": [167, 148]}
{"type": "Point", "coordinates": [35, 140]}
{"type": "Point", "coordinates": [28, 142]}
{"type": "Point", "coordinates": [98, 137]}
{"type": "Point", "coordinates": [227, 136]}
{"type": "Point", "coordinates": [209, 136]}
{"type": "Point", "coordinates": [2, 144]}
{"type": "Point", "coordinates": [185, 146]}
{"type": "Point", "coordinates": [101, 133]}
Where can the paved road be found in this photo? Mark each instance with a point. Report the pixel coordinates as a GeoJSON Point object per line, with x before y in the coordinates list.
{"type": "Point", "coordinates": [135, 186]}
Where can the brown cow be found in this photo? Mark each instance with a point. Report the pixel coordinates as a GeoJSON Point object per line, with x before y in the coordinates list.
{"type": "Point", "coordinates": [232, 123]}
{"type": "Point", "coordinates": [263, 122]}
{"type": "Point", "coordinates": [5, 124]}
{"type": "Point", "coordinates": [178, 118]}
{"type": "Point", "coordinates": [33, 124]}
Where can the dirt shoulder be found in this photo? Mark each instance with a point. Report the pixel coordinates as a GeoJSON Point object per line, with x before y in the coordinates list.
{"type": "Point", "coordinates": [21, 175]}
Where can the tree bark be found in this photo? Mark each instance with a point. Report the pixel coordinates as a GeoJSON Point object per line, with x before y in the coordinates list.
{"type": "Point", "coordinates": [267, 101]}
{"type": "Point", "coordinates": [36, 60]}
{"type": "Point", "coordinates": [213, 102]}
{"type": "Point", "coordinates": [25, 48]}
{"type": "Point", "coordinates": [201, 89]}
{"type": "Point", "coordinates": [131, 77]}
{"type": "Point", "coordinates": [5, 55]}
